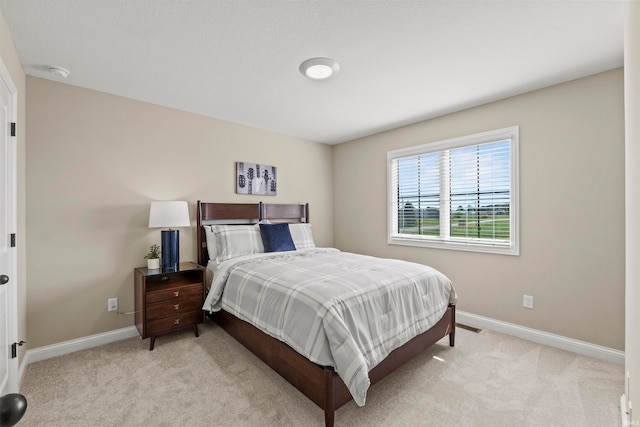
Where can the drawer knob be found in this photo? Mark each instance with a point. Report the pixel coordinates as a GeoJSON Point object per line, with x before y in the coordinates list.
{"type": "Point", "coordinates": [176, 306]}
{"type": "Point", "coordinates": [176, 322]}
{"type": "Point", "coordinates": [165, 278]}
{"type": "Point", "coordinates": [176, 293]}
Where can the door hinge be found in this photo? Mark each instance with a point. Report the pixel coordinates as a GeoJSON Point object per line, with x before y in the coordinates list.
{"type": "Point", "coordinates": [14, 348]}
{"type": "Point", "coordinates": [13, 240]}
{"type": "Point", "coordinates": [13, 129]}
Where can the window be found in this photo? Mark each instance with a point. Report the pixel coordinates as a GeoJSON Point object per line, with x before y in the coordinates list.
{"type": "Point", "coordinates": [456, 194]}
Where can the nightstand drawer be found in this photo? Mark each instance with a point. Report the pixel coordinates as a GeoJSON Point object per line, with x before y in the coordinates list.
{"type": "Point", "coordinates": [154, 296]}
{"type": "Point", "coordinates": [173, 307]}
{"type": "Point", "coordinates": [180, 320]}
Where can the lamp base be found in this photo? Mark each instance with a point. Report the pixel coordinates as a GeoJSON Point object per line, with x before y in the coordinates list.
{"type": "Point", "coordinates": [170, 250]}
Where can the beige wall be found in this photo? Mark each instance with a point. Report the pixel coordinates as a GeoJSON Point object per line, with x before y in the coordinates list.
{"type": "Point", "coordinates": [12, 62]}
{"type": "Point", "coordinates": [95, 161]}
{"type": "Point", "coordinates": [572, 209]}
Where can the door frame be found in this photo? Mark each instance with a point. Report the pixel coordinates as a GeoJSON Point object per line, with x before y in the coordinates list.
{"type": "Point", "coordinates": [12, 292]}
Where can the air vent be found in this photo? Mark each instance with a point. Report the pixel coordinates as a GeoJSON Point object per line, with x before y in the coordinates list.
{"type": "Point", "coordinates": [468, 328]}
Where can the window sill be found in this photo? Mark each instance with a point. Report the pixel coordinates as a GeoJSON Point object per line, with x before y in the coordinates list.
{"type": "Point", "coordinates": [456, 246]}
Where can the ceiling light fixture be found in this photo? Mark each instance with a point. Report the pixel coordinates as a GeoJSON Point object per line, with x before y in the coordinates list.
{"type": "Point", "coordinates": [319, 68]}
{"type": "Point", "coordinates": [58, 71]}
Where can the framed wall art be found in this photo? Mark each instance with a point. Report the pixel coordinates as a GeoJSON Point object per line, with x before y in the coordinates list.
{"type": "Point", "coordinates": [252, 178]}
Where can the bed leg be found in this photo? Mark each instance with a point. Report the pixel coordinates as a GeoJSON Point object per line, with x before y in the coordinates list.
{"type": "Point", "coordinates": [452, 334]}
{"type": "Point", "coordinates": [329, 411]}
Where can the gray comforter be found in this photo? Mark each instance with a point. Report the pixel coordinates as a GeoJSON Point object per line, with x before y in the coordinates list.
{"type": "Point", "coordinates": [337, 309]}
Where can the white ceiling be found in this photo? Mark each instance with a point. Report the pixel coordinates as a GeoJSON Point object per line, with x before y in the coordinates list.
{"type": "Point", "coordinates": [401, 61]}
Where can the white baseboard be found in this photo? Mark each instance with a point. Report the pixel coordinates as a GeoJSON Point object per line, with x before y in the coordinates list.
{"type": "Point", "coordinates": [540, 337]}
{"type": "Point", "coordinates": [66, 347]}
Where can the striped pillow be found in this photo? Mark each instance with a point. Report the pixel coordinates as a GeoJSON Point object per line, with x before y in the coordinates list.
{"type": "Point", "coordinates": [237, 240]}
{"type": "Point", "coordinates": [302, 236]}
{"type": "Point", "coordinates": [212, 245]}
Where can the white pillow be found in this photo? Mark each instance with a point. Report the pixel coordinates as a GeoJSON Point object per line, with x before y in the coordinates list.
{"type": "Point", "coordinates": [302, 236]}
{"type": "Point", "coordinates": [212, 245]}
{"type": "Point", "coordinates": [237, 240]}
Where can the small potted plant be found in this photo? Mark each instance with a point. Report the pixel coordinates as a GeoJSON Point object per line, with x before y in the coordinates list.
{"type": "Point", "coordinates": [153, 257]}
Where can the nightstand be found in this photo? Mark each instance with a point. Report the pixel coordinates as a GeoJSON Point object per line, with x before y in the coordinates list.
{"type": "Point", "coordinates": [168, 301]}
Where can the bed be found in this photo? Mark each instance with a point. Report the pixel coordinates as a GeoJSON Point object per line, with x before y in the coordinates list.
{"type": "Point", "coordinates": [308, 368]}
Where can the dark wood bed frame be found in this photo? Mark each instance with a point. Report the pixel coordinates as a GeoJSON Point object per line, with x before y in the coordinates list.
{"type": "Point", "coordinates": [321, 384]}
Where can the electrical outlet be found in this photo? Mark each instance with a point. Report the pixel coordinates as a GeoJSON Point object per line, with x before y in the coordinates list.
{"type": "Point", "coordinates": [112, 304]}
{"type": "Point", "coordinates": [527, 301]}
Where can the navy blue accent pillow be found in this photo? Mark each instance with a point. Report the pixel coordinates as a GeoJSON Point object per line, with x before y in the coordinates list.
{"type": "Point", "coordinates": [276, 238]}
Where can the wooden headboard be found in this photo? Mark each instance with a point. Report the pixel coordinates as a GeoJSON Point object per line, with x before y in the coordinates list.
{"type": "Point", "coordinates": [278, 212]}
{"type": "Point", "coordinates": [243, 213]}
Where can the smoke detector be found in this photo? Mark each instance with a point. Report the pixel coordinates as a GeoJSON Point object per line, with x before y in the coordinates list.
{"type": "Point", "coordinates": [58, 71]}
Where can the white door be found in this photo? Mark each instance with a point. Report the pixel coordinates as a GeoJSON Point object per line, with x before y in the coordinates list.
{"type": "Point", "coordinates": [8, 279]}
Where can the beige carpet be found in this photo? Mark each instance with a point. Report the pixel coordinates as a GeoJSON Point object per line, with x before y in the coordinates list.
{"type": "Point", "coordinates": [488, 379]}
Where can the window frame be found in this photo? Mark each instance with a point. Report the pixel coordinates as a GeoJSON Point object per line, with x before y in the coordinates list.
{"type": "Point", "coordinates": [447, 242]}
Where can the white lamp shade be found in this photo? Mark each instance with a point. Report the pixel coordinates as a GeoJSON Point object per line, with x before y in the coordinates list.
{"type": "Point", "coordinates": [169, 214]}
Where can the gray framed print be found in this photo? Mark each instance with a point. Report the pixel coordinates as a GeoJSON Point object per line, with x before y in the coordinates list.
{"type": "Point", "coordinates": [252, 178]}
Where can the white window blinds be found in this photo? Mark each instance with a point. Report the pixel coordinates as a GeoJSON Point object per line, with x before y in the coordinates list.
{"type": "Point", "coordinates": [458, 194]}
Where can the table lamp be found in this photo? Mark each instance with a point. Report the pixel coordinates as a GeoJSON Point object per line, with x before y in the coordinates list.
{"type": "Point", "coordinates": [169, 214]}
